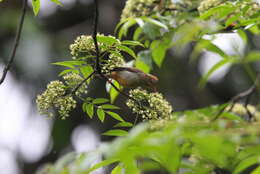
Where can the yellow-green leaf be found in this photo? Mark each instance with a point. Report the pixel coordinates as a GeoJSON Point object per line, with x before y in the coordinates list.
{"type": "Point", "coordinates": [101, 114]}
{"type": "Point", "coordinates": [57, 2]}
{"type": "Point", "coordinates": [115, 116]}
{"type": "Point", "coordinates": [36, 6]}
{"type": "Point", "coordinates": [90, 110]}
{"type": "Point", "coordinates": [116, 132]}
{"type": "Point", "coordinates": [100, 100]}
{"type": "Point", "coordinates": [109, 106]}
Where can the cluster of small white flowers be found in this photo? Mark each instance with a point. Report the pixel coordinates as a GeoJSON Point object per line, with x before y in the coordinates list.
{"type": "Point", "coordinates": [207, 4]}
{"type": "Point", "coordinates": [53, 98]}
{"type": "Point", "coordinates": [73, 80]}
{"type": "Point", "coordinates": [152, 106]}
{"type": "Point", "coordinates": [65, 104]}
{"type": "Point", "coordinates": [137, 8]}
{"type": "Point", "coordinates": [115, 60]}
{"type": "Point", "coordinates": [82, 44]}
{"type": "Point", "coordinates": [240, 109]}
{"type": "Point", "coordinates": [254, 7]}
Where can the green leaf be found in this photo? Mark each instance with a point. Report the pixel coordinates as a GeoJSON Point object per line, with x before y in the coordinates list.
{"type": "Point", "coordinates": [124, 29]}
{"type": "Point", "coordinates": [232, 19]}
{"type": "Point", "coordinates": [152, 31]}
{"type": "Point", "coordinates": [66, 71]}
{"type": "Point", "coordinates": [90, 109]}
{"type": "Point", "coordinates": [115, 116]}
{"type": "Point", "coordinates": [144, 61]}
{"type": "Point", "coordinates": [57, 2]}
{"type": "Point", "coordinates": [36, 6]}
{"type": "Point", "coordinates": [130, 165]}
{"type": "Point", "coordinates": [155, 22]}
{"type": "Point", "coordinates": [101, 114]}
{"type": "Point", "coordinates": [220, 11]}
{"type": "Point", "coordinates": [117, 170]}
{"type": "Point", "coordinates": [113, 92]}
{"type": "Point", "coordinates": [253, 56]}
{"type": "Point", "coordinates": [69, 64]}
{"type": "Point", "coordinates": [254, 29]}
{"type": "Point", "coordinates": [132, 43]}
{"type": "Point", "coordinates": [115, 132]}
{"type": "Point", "coordinates": [231, 116]}
{"type": "Point", "coordinates": [119, 25]}
{"type": "Point", "coordinates": [243, 35]}
{"type": "Point", "coordinates": [109, 106]}
{"type": "Point", "coordinates": [256, 171]}
{"type": "Point", "coordinates": [214, 148]}
{"type": "Point", "coordinates": [137, 33]}
{"type": "Point", "coordinates": [246, 153]}
{"type": "Point", "coordinates": [208, 45]}
{"type": "Point", "coordinates": [86, 70]}
{"type": "Point", "coordinates": [100, 100]}
{"type": "Point", "coordinates": [158, 52]}
{"type": "Point", "coordinates": [142, 66]}
{"type": "Point", "coordinates": [218, 65]}
{"type": "Point", "coordinates": [102, 164]}
{"type": "Point", "coordinates": [124, 124]}
{"type": "Point", "coordinates": [127, 50]}
{"type": "Point", "coordinates": [106, 39]}
{"type": "Point", "coordinates": [246, 163]}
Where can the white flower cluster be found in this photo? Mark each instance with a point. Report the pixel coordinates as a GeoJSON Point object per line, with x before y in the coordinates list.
{"type": "Point", "coordinates": [72, 80]}
{"type": "Point", "coordinates": [251, 5]}
{"type": "Point", "coordinates": [152, 106]}
{"type": "Point", "coordinates": [207, 4]}
{"type": "Point", "coordinates": [115, 60]}
{"type": "Point", "coordinates": [84, 46]}
{"type": "Point", "coordinates": [240, 109]}
{"type": "Point", "coordinates": [54, 98]}
{"type": "Point", "coordinates": [137, 8]}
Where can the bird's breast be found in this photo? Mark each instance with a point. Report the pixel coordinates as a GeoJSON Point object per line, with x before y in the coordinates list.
{"type": "Point", "coordinates": [128, 79]}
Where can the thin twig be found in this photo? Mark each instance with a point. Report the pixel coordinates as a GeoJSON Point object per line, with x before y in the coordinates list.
{"type": "Point", "coordinates": [82, 82]}
{"type": "Point", "coordinates": [94, 36]}
{"type": "Point", "coordinates": [245, 94]}
{"type": "Point", "coordinates": [16, 42]}
{"type": "Point", "coordinates": [114, 86]}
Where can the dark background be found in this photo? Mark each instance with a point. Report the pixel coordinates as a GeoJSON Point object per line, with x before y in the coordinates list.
{"type": "Point", "coordinates": [46, 39]}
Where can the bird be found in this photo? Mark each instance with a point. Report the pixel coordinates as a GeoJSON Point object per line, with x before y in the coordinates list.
{"type": "Point", "coordinates": [130, 77]}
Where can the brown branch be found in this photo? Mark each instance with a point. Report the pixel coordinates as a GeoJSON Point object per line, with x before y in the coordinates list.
{"type": "Point", "coordinates": [82, 82]}
{"type": "Point", "coordinates": [245, 94]}
{"type": "Point", "coordinates": [94, 36]}
{"type": "Point", "coordinates": [16, 42]}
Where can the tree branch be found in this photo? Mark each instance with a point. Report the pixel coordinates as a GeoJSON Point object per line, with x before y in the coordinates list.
{"type": "Point", "coordinates": [94, 36]}
{"type": "Point", "coordinates": [116, 88]}
{"type": "Point", "coordinates": [245, 94]}
{"type": "Point", "coordinates": [82, 82]}
{"type": "Point", "coordinates": [16, 42]}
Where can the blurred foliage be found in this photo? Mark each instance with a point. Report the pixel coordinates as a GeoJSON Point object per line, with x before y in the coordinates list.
{"type": "Point", "coordinates": [190, 143]}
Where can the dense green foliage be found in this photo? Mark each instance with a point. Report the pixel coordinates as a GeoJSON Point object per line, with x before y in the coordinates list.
{"type": "Point", "coordinates": [190, 143]}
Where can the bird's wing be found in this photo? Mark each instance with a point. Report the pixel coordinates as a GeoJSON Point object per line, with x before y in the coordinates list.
{"type": "Point", "coordinates": [135, 70]}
